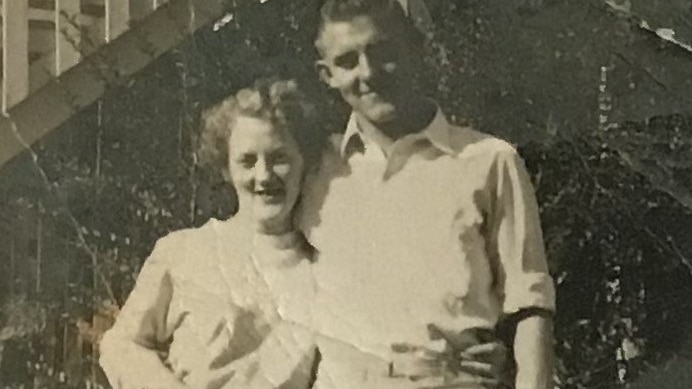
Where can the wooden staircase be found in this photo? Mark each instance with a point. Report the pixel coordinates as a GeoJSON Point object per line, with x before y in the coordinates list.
{"type": "Point", "coordinates": [44, 38]}
{"type": "Point", "coordinates": [59, 56]}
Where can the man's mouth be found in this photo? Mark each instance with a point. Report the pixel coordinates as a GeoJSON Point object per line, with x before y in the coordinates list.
{"type": "Point", "coordinates": [375, 96]}
{"type": "Point", "coordinates": [371, 94]}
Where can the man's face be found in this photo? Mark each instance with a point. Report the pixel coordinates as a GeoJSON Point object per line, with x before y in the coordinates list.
{"type": "Point", "coordinates": [369, 65]}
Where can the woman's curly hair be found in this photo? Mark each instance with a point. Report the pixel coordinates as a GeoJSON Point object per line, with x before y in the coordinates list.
{"type": "Point", "coordinates": [278, 101]}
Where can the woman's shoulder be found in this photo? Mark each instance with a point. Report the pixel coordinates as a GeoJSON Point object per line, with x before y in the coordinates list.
{"type": "Point", "coordinates": [199, 244]}
{"type": "Point", "coordinates": [183, 237]}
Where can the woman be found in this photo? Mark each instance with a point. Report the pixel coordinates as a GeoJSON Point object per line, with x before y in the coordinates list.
{"type": "Point", "coordinates": [220, 305]}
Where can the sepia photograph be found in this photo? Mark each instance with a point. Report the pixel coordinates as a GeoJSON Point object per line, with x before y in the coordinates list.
{"type": "Point", "coordinates": [346, 194]}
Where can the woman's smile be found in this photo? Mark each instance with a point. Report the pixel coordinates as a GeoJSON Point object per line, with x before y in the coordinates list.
{"type": "Point", "coordinates": [271, 195]}
{"type": "Point", "coordinates": [266, 168]}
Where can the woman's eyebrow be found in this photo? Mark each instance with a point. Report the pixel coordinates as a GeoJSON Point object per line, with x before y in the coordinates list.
{"type": "Point", "coordinates": [246, 155]}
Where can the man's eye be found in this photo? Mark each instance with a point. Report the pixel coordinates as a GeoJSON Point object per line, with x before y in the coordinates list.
{"type": "Point", "coordinates": [347, 61]}
{"type": "Point", "coordinates": [279, 159]}
{"type": "Point", "coordinates": [383, 53]}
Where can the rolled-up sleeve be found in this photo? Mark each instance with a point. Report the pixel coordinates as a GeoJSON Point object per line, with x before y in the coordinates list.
{"type": "Point", "coordinates": [131, 352]}
{"type": "Point", "coordinates": [516, 240]}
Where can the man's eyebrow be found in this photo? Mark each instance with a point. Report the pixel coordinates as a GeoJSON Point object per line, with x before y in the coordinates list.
{"type": "Point", "coordinates": [277, 150]}
{"type": "Point", "coordinates": [382, 40]}
{"type": "Point", "coordinates": [346, 54]}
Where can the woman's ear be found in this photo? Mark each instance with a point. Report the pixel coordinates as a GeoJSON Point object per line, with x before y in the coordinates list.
{"type": "Point", "coordinates": [324, 72]}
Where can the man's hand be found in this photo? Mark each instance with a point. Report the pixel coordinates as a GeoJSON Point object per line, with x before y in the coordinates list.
{"type": "Point", "coordinates": [485, 365]}
{"type": "Point", "coordinates": [474, 357]}
{"type": "Point", "coordinates": [478, 354]}
{"type": "Point", "coordinates": [489, 363]}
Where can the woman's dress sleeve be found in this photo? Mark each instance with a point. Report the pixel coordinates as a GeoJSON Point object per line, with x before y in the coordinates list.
{"type": "Point", "coordinates": [132, 352]}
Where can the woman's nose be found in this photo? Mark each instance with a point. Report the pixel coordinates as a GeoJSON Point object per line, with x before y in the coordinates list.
{"type": "Point", "coordinates": [263, 171]}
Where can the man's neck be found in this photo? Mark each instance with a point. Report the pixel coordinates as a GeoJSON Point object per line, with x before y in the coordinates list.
{"type": "Point", "coordinates": [412, 118]}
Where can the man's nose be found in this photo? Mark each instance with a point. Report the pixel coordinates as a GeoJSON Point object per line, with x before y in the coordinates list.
{"type": "Point", "coordinates": [365, 69]}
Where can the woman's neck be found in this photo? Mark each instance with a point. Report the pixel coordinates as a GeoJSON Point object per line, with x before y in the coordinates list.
{"type": "Point", "coordinates": [274, 229]}
{"type": "Point", "coordinates": [289, 240]}
{"type": "Point", "coordinates": [289, 248]}
{"type": "Point", "coordinates": [276, 238]}
{"type": "Point", "coordinates": [260, 228]}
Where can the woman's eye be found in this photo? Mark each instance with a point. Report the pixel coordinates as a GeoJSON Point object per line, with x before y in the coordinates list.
{"type": "Point", "coordinates": [248, 161]}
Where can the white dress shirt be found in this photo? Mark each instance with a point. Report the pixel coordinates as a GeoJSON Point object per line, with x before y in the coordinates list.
{"type": "Point", "coordinates": [444, 232]}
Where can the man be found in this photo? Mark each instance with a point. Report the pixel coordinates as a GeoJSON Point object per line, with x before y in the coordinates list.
{"type": "Point", "coordinates": [428, 233]}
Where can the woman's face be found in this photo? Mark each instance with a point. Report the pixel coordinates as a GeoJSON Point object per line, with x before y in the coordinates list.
{"type": "Point", "coordinates": [266, 169]}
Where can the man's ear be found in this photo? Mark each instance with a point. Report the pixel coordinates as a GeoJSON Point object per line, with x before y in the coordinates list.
{"type": "Point", "coordinates": [323, 71]}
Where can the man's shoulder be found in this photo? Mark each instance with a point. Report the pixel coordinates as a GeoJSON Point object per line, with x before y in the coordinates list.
{"type": "Point", "coordinates": [331, 160]}
{"type": "Point", "coordinates": [468, 141]}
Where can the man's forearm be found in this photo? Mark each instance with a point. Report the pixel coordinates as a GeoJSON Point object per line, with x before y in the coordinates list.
{"type": "Point", "coordinates": [533, 351]}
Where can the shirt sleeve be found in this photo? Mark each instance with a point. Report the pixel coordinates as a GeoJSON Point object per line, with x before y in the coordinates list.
{"type": "Point", "coordinates": [131, 352]}
{"type": "Point", "coordinates": [516, 240]}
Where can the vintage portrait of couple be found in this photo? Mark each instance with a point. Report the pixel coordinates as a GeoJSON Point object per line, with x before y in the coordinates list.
{"type": "Point", "coordinates": [345, 194]}
{"type": "Point", "coordinates": [384, 257]}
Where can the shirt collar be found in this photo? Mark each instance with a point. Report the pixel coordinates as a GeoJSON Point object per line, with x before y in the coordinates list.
{"type": "Point", "coordinates": [437, 133]}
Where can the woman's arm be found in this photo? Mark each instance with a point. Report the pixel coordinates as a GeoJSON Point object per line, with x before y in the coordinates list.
{"type": "Point", "coordinates": [285, 359]}
{"type": "Point", "coordinates": [130, 351]}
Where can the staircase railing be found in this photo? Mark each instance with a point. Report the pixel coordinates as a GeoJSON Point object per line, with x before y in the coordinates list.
{"type": "Point", "coordinates": [42, 39]}
{"type": "Point", "coordinates": [60, 55]}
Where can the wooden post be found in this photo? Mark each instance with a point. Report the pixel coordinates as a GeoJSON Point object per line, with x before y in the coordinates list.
{"type": "Point", "coordinates": [117, 18]}
{"type": "Point", "coordinates": [15, 52]}
{"type": "Point", "coordinates": [65, 344]}
{"type": "Point", "coordinates": [67, 34]}
{"type": "Point", "coordinates": [13, 265]}
{"type": "Point", "coordinates": [39, 251]}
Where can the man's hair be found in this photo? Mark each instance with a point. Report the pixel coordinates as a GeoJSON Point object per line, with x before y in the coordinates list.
{"type": "Point", "coordinates": [388, 12]}
{"type": "Point", "coordinates": [281, 103]}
